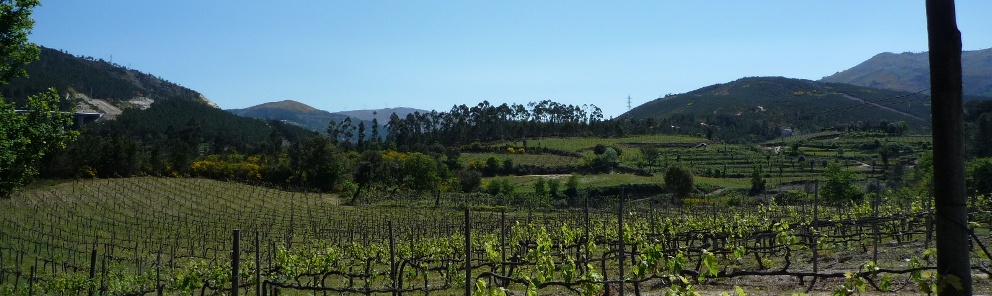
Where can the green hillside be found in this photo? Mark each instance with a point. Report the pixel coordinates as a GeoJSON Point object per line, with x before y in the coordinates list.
{"type": "Point", "coordinates": [761, 107]}
{"type": "Point", "coordinates": [95, 78]}
{"type": "Point", "coordinates": [173, 115]}
{"type": "Point", "coordinates": [165, 138]}
{"type": "Point", "coordinates": [911, 72]}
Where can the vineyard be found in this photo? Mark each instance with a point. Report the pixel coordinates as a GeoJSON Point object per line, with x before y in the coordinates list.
{"type": "Point", "coordinates": [715, 165]}
{"type": "Point", "coordinates": [141, 236]}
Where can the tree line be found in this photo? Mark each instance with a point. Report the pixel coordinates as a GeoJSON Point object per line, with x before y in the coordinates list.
{"type": "Point", "coordinates": [484, 122]}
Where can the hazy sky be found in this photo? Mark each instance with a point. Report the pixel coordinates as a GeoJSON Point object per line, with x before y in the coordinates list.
{"type": "Point", "coordinates": [345, 55]}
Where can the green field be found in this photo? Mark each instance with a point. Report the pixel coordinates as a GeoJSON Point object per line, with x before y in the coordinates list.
{"type": "Point", "coordinates": [540, 160]}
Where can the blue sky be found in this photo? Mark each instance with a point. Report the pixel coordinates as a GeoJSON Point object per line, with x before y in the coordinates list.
{"type": "Point", "coordinates": [346, 55]}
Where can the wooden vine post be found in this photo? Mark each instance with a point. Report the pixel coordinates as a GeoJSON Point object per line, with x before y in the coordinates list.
{"type": "Point", "coordinates": [258, 265]}
{"type": "Point", "coordinates": [620, 254]}
{"type": "Point", "coordinates": [235, 262]}
{"type": "Point", "coordinates": [392, 260]}
{"type": "Point", "coordinates": [92, 271]}
{"type": "Point", "coordinates": [468, 253]}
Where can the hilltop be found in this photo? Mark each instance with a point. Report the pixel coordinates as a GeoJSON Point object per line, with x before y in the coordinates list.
{"type": "Point", "coordinates": [911, 72]}
{"type": "Point", "coordinates": [314, 119]}
{"type": "Point", "coordinates": [765, 106]}
{"type": "Point", "coordinates": [95, 85]}
{"type": "Point", "coordinates": [291, 112]}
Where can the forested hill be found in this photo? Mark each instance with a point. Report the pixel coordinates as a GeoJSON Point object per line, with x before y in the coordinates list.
{"type": "Point", "coordinates": [911, 72]}
{"type": "Point", "coordinates": [762, 107]}
{"type": "Point", "coordinates": [165, 138]}
{"type": "Point", "coordinates": [94, 79]}
{"type": "Point", "coordinates": [292, 112]}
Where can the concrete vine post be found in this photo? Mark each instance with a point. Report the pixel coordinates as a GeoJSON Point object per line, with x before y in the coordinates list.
{"type": "Point", "coordinates": [950, 198]}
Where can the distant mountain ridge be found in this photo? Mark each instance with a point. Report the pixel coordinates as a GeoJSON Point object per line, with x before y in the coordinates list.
{"type": "Point", "coordinates": [911, 72]}
{"type": "Point", "coordinates": [765, 106]}
{"type": "Point", "coordinates": [291, 111]}
{"type": "Point", "coordinates": [94, 84]}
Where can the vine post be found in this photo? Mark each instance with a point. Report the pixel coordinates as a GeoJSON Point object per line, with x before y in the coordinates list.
{"type": "Point", "coordinates": [816, 235]}
{"type": "Point", "coordinates": [103, 274]}
{"type": "Point", "coordinates": [874, 224]}
{"type": "Point", "coordinates": [586, 247]}
{"type": "Point", "coordinates": [158, 273]}
{"type": "Point", "coordinates": [31, 280]}
{"type": "Point", "coordinates": [947, 113]}
{"type": "Point", "coordinates": [92, 271]}
{"type": "Point", "coordinates": [468, 253]}
{"type": "Point", "coordinates": [258, 265]}
{"type": "Point", "coordinates": [502, 245]}
{"type": "Point", "coordinates": [235, 262]}
{"type": "Point", "coordinates": [392, 259]}
{"type": "Point", "coordinates": [2, 276]}
{"type": "Point", "coordinates": [620, 255]}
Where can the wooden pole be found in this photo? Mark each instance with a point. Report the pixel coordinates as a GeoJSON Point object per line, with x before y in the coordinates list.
{"type": "Point", "coordinates": [159, 288]}
{"type": "Point", "coordinates": [92, 271]}
{"type": "Point", "coordinates": [620, 252]}
{"type": "Point", "coordinates": [258, 266]}
{"type": "Point", "coordinates": [392, 260]}
{"type": "Point", "coordinates": [235, 262]}
{"type": "Point", "coordinates": [502, 246]}
{"type": "Point", "coordinates": [816, 235]}
{"type": "Point", "coordinates": [950, 199]}
{"type": "Point", "coordinates": [468, 253]}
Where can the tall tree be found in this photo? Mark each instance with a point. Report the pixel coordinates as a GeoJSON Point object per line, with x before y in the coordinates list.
{"type": "Point", "coordinates": [757, 181]}
{"type": "Point", "coordinates": [15, 26]}
{"type": "Point", "coordinates": [375, 130]}
{"type": "Point", "coordinates": [420, 172]}
{"type": "Point", "coordinates": [679, 181]}
{"type": "Point", "coordinates": [25, 138]}
{"type": "Point", "coordinates": [839, 185]}
{"type": "Point", "coordinates": [370, 169]}
{"type": "Point", "coordinates": [317, 163]}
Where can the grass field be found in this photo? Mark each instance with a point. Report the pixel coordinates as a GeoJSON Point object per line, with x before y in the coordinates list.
{"type": "Point", "coordinates": [540, 160]}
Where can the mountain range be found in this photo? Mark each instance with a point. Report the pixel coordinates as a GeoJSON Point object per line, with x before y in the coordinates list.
{"type": "Point", "coordinates": [875, 90]}
{"type": "Point", "coordinates": [314, 119]}
{"type": "Point", "coordinates": [97, 85]}
{"type": "Point", "coordinates": [911, 72]}
{"type": "Point", "coordinates": [766, 105]}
